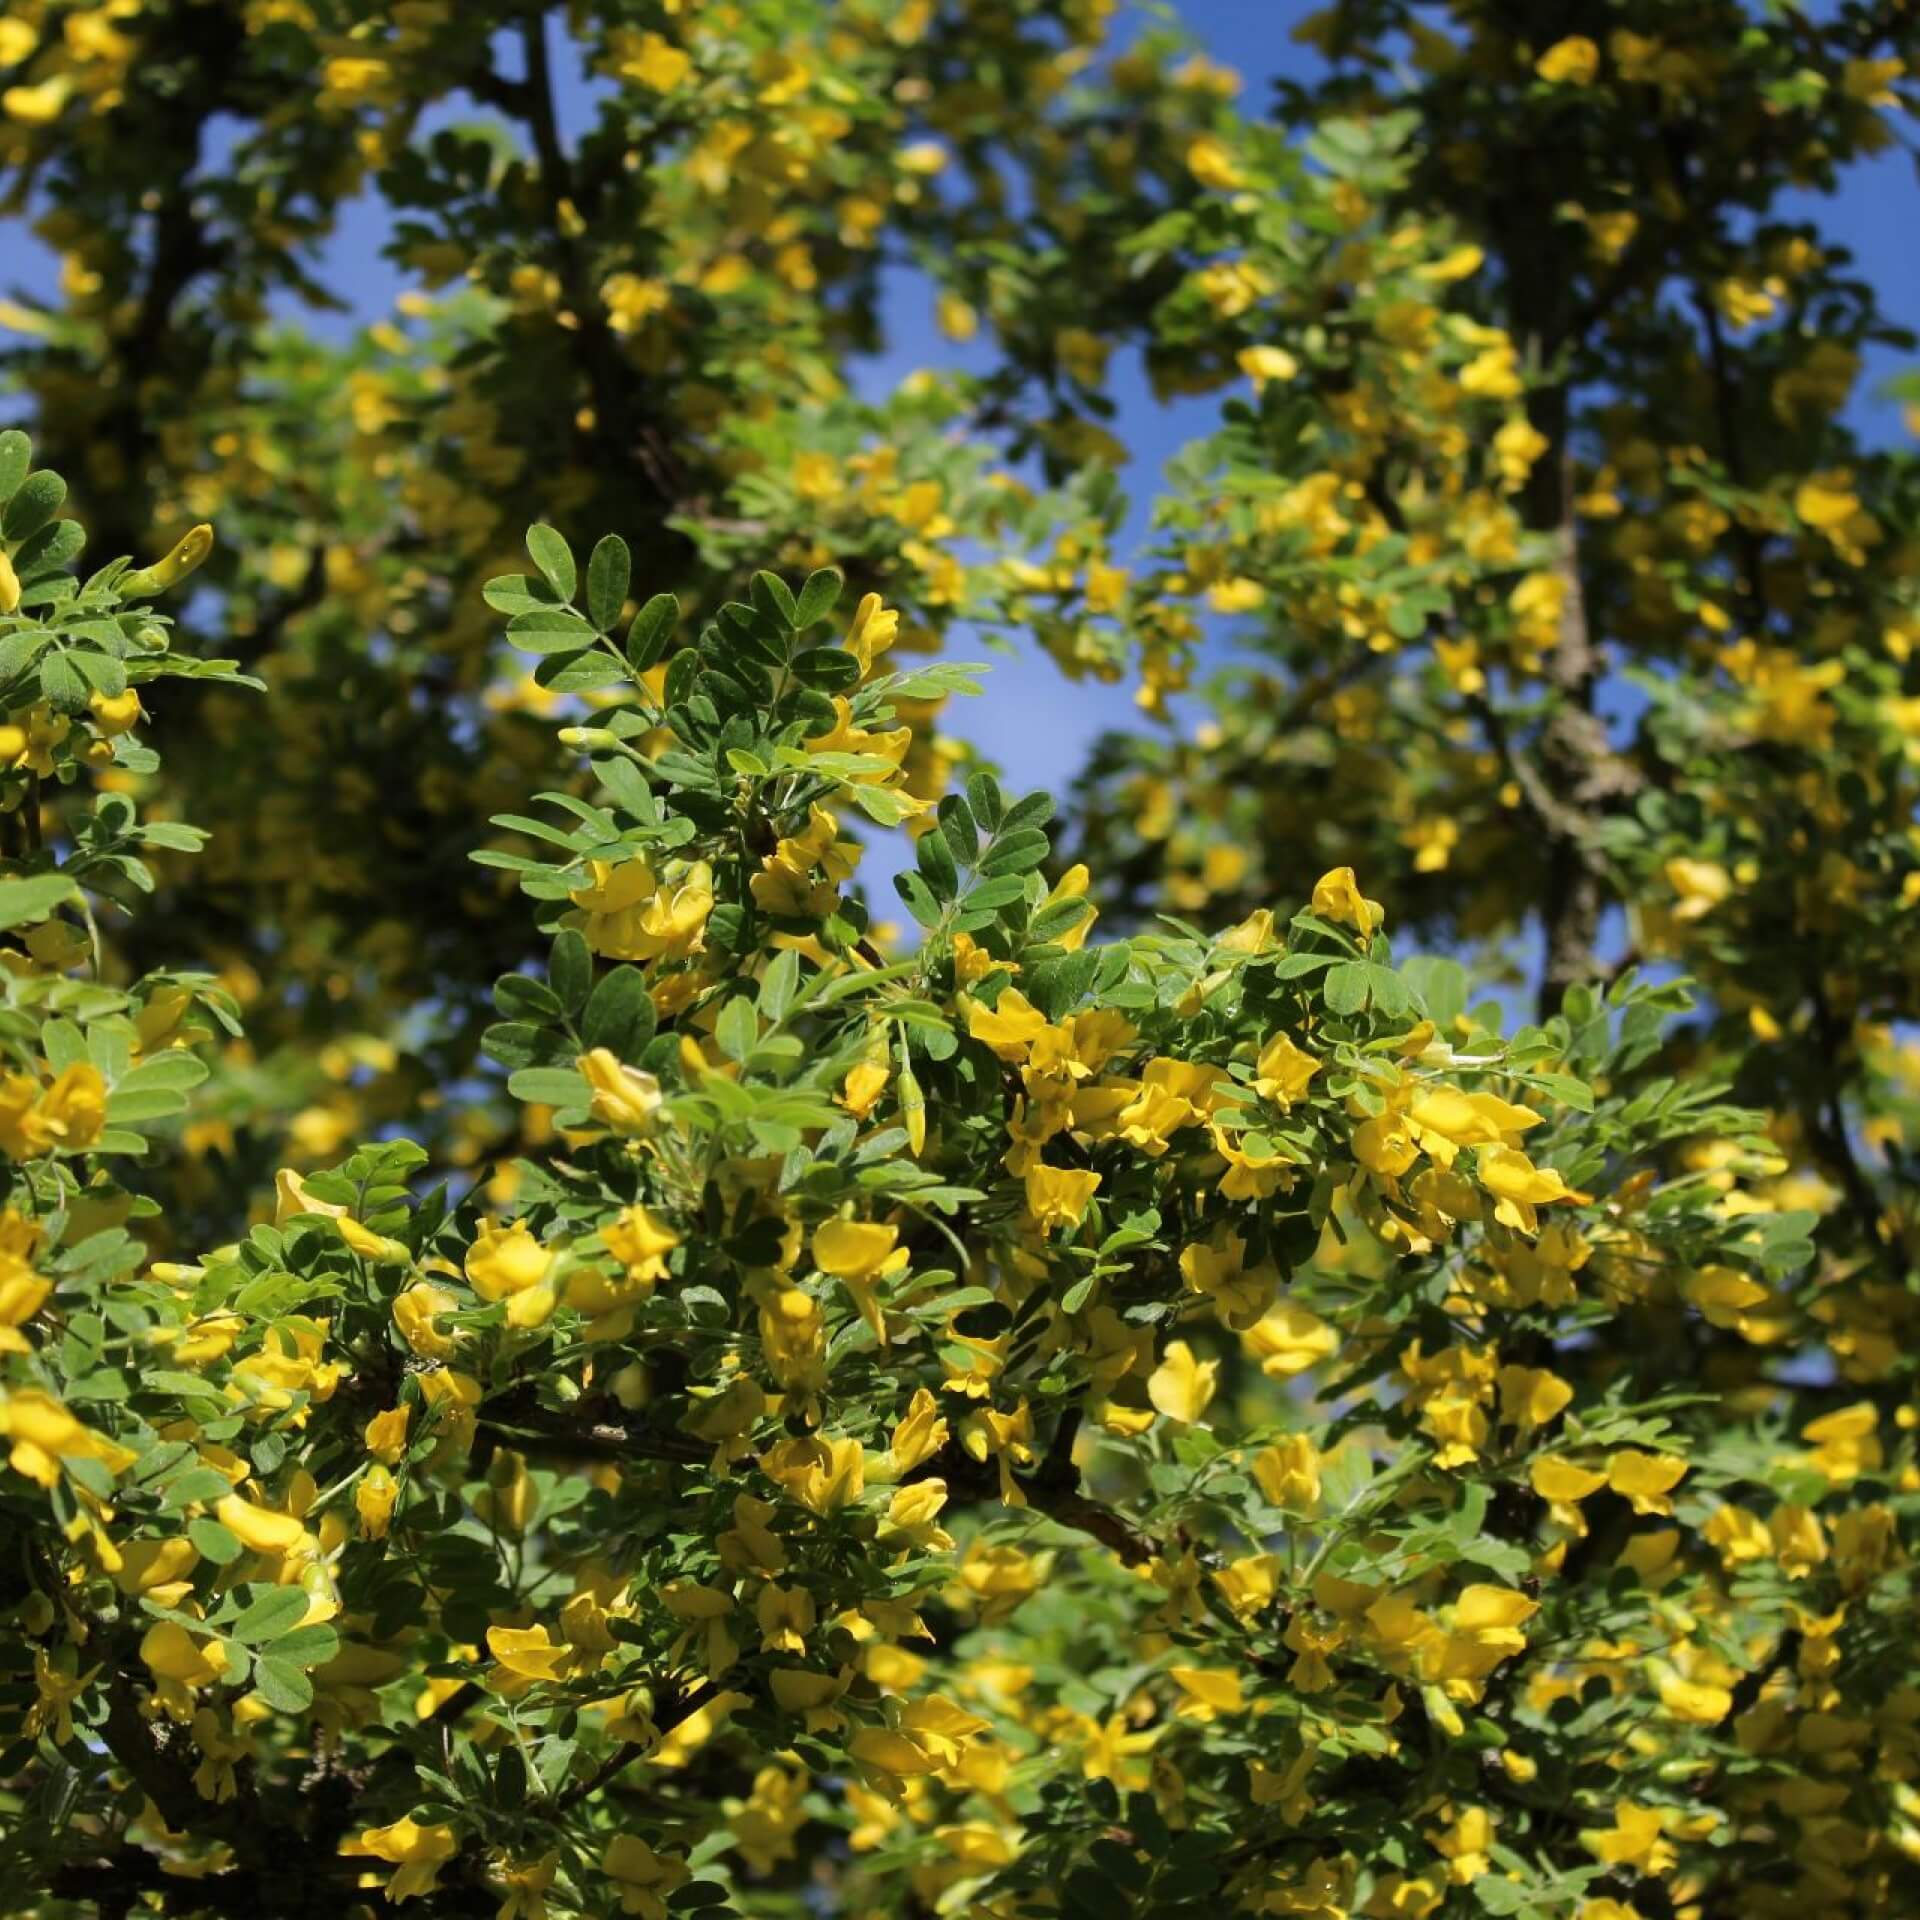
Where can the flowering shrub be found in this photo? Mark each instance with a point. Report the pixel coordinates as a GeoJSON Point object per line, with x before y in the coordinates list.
{"type": "Point", "coordinates": [555, 1362]}
{"type": "Point", "coordinates": [1042, 1424]}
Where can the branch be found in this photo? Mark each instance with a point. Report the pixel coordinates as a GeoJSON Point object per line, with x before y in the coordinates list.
{"type": "Point", "coordinates": [624, 1755]}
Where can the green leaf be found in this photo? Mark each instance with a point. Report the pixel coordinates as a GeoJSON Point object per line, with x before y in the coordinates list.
{"type": "Point", "coordinates": [277, 1611]}
{"type": "Point", "coordinates": [515, 593]}
{"type": "Point", "coordinates": [554, 558]}
{"type": "Point", "coordinates": [920, 902]}
{"type": "Point", "coordinates": [22, 902]}
{"type": "Point", "coordinates": [132, 1109]}
{"type": "Point", "coordinates": [219, 1544]}
{"type": "Point", "coordinates": [101, 671]}
{"type": "Point", "coordinates": [18, 650]}
{"type": "Point", "coordinates": [652, 628]}
{"type": "Point", "coordinates": [549, 1087]}
{"type": "Point", "coordinates": [986, 800]}
{"type": "Point", "coordinates": [570, 969]}
{"type": "Point", "coordinates": [307, 1646]}
{"type": "Point", "coordinates": [881, 804]}
{"type": "Point", "coordinates": [16, 456]}
{"type": "Point", "coordinates": [778, 985]}
{"type": "Point", "coordinates": [175, 1069]}
{"type": "Point", "coordinates": [196, 1484]}
{"type": "Point", "coordinates": [62, 686]}
{"type": "Point", "coordinates": [284, 1688]}
{"type": "Point", "coordinates": [738, 1028]}
{"type": "Point", "coordinates": [772, 595]}
{"type": "Point", "coordinates": [173, 834]}
{"type": "Point", "coordinates": [619, 1014]}
{"type": "Point", "coordinates": [35, 501]}
{"type": "Point", "coordinates": [609, 573]}
{"type": "Point", "coordinates": [935, 858]}
{"type": "Point", "coordinates": [1018, 851]}
{"type": "Point", "coordinates": [818, 597]}
{"type": "Point", "coordinates": [549, 630]}
{"type": "Point", "coordinates": [1564, 1088]}
{"type": "Point", "coordinates": [1345, 987]}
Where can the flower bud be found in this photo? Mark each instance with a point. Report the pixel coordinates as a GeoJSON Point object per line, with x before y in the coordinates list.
{"type": "Point", "coordinates": [188, 552]}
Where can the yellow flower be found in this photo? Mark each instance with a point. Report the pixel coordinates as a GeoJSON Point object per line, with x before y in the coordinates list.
{"type": "Point", "coordinates": [1457, 263]}
{"type": "Point", "coordinates": [1182, 1387]}
{"type": "Point", "coordinates": [649, 59]}
{"type": "Point", "coordinates": [526, 1883]}
{"type": "Point", "coordinates": [1570, 62]}
{"type": "Point", "coordinates": [114, 713]}
{"type": "Point", "coordinates": [65, 1116]}
{"type": "Point", "coordinates": [43, 1431]}
{"type": "Point", "coordinates": [415, 1309]}
{"type": "Point", "coordinates": [642, 1877]}
{"type": "Point", "coordinates": [1563, 1481]}
{"type": "Point", "coordinates": [22, 1291]}
{"type": "Point", "coordinates": [860, 1092]}
{"type": "Point", "coordinates": [1799, 1540]}
{"type": "Point", "coordinates": [171, 1653]}
{"type": "Point", "coordinates": [1692, 1701]}
{"type": "Point", "coordinates": [505, 1262]}
{"type": "Point", "coordinates": [419, 1853]}
{"type": "Point", "coordinates": [1059, 1196]}
{"type": "Point", "coordinates": [1283, 1071]}
{"type": "Point", "coordinates": [629, 916]}
{"type": "Point", "coordinates": [1531, 1396]}
{"type": "Point", "coordinates": [1519, 1186]}
{"type": "Point", "coordinates": [853, 1249]}
{"type": "Point", "coordinates": [1009, 1027]}
{"type": "Point", "coordinates": [1288, 1473]}
{"type": "Point", "coordinates": [1869, 81]}
{"type": "Point", "coordinates": [261, 1528]}
{"type": "Point", "coordinates": [1827, 501]}
{"type": "Point", "coordinates": [919, 1434]}
{"type": "Point", "coordinates": [1211, 163]}
{"type": "Point", "coordinates": [1645, 1478]}
{"type": "Point", "coordinates": [1206, 1692]}
{"type": "Point", "coordinates": [641, 1244]}
{"type": "Point", "coordinates": [1701, 885]}
{"type": "Point", "coordinates": [823, 1474]}
{"type": "Point", "coordinates": [37, 106]}
{"type": "Point", "coordinates": [529, 1654]}
{"type": "Point", "coordinates": [1634, 1840]}
{"type": "Point", "coordinates": [858, 1253]}
{"type": "Point", "coordinates": [1262, 364]}
{"type": "Point", "coordinates": [624, 1098]}
{"type": "Point", "coordinates": [889, 749]}
{"type": "Point", "coordinates": [1288, 1340]}
{"type": "Point", "coordinates": [373, 1501]}
{"type": "Point", "coordinates": [875, 628]}
{"type": "Point", "coordinates": [1337, 897]}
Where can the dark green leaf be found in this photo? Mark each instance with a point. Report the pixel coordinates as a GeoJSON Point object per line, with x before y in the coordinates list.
{"type": "Point", "coordinates": [570, 969]}
{"type": "Point", "coordinates": [609, 574]}
{"type": "Point", "coordinates": [619, 1014]}
{"type": "Point", "coordinates": [818, 597]}
{"type": "Point", "coordinates": [35, 501]}
{"type": "Point", "coordinates": [772, 596]}
{"type": "Point", "coordinates": [652, 628]}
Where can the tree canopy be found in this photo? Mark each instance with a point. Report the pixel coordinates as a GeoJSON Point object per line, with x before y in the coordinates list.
{"type": "Point", "coordinates": [1319, 1325]}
